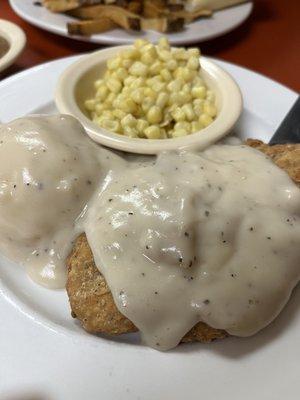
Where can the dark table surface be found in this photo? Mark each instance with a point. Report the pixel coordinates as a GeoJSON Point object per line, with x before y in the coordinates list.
{"type": "Point", "coordinates": [268, 42]}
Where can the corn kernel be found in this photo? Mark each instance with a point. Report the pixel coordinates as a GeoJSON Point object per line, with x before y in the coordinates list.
{"type": "Point", "coordinates": [126, 63]}
{"type": "Point", "coordinates": [114, 85]}
{"type": "Point", "coordinates": [158, 86]}
{"type": "Point", "coordinates": [183, 97]}
{"type": "Point", "coordinates": [128, 106]}
{"type": "Point", "coordinates": [196, 126]}
{"type": "Point", "coordinates": [102, 92]}
{"type": "Point", "coordinates": [199, 92]}
{"type": "Point", "coordinates": [129, 80]}
{"type": "Point", "coordinates": [210, 109]}
{"type": "Point", "coordinates": [119, 114]}
{"type": "Point", "coordinates": [162, 99]}
{"type": "Point", "coordinates": [155, 68]}
{"type": "Point", "coordinates": [110, 125]}
{"type": "Point", "coordinates": [137, 95]}
{"type": "Point", "coordinates": [138, 69]}
{"type": "Point", "coordinates": [193, 63]}
{"type": "Point", "coordinates": [129, 121]}
{"type": "Point", "coordinates": [188, 111]}
{"type": "Point", "coordinates": [99, 108]}
{"type": "Point", "coordinates": [137, 83]}
{"type": "Point", "coordinates": [131, 54]}
{"type": "Point", "coordinates": [187, 74]}
{"type": "Point", "coordinates": [146, 58]}
{"type": "Point", "coordinates": [147, 103]}
{"type": "Point", "coordinates": [154, 115]}
{"type": "Point", "coordinates": [150, 49]}
{"type": "Point", "coordinates": [183, 125]}
{"type": "Point", "coordinates": [90, 104]}
{"type": "Point", "coordinates": [166, 75]}
{"type": "Point", "coordinates": [110, 98]}
{"type": "Point", "coordinates": [176, 85]}
{"type": "Point", "coordinates": [121, 73]}
{"type": "Point", "coordinates": [139, 43]}
{"type": "Point", "coordinates": [178, 114]}
{"type": "Point", "coordinates": [193, 52]}
{"type": "Point", "coordinates": [141, 125]}
{"type": "Point", "coordinates": [149, 92]}
{"type": "Point", "coordinates": [179, 133]}
{"type": "Point", "coordinates": [131, 132]}
{"type": "Point", "coordinates": [152, 132]}
{"type": "Point", "coordinates": [163, 43]}
{"type": "Point", "coordinates": [179, 54]}
{"type": "Point", "coordinates": [171, 65]}
{"type": "Point", "coordinates": [205, 120]}
{"type": "Point", "coordinates": [164, 55]}
{"type": "Point", "coordinates": [114, 63]}
{"type": "Point", "coordinates": [173, 99]}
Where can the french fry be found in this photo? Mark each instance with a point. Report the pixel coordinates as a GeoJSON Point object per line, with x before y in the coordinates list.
{"type": "Point", "coordinates": [118, 15]}
{"type": "Point", "coordinates": [191, 16]}
{"type": "Point", "coordinates": [153, 10]}
{"type": "Point", "coordinates": [136, 7]}
{"type": "Point", "coordinates": [213, 5]}
{"type": "Point", "coordinates": [66, 5]}
{"type": "Point", "coordinates": [87, 28]}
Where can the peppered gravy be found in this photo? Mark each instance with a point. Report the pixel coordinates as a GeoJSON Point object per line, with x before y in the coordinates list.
{"type": "Point", "coordinates": [49, 171]}
{"type": "Point", "coordinates": [211, 236]}
{"type": "Point", "coordinates": [186, 237]}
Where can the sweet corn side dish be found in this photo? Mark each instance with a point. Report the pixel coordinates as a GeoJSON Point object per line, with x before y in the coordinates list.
{"type": "Point", "coordinates": [154, 92]}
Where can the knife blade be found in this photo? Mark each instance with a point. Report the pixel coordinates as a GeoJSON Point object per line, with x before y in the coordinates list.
{"type": "Point", "coordinates": [289, 129]}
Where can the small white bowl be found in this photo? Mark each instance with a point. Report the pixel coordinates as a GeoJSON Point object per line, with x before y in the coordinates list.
{"type": "Point", "coordinates": [16, 39]}
{"type": "Point", "coordinates": [75, 85]}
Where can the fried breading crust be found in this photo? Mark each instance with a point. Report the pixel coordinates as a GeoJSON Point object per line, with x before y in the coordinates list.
{"type": "Point", "coordinates": [286, 156]}
{"type": "Point", "coordinates": [90, 298]}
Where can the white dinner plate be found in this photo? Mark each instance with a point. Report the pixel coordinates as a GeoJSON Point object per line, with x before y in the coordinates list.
{"type": "Point", "coordinates": [203, 29]}
{"type": "Point", "coordinates": [45, 355]}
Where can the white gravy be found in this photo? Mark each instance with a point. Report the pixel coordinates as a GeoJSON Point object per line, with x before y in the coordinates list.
{"type": "Point", "coordinates": [211, 237]}
{"type": "Point", "coordinates": [49, 171]}
{"type": "Point", "coordinates": [188, 237]}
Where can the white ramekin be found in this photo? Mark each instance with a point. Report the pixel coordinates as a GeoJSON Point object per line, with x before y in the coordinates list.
{"type": "Point", "coordinates": [16, 39]}
{"type": "Point", "coordinates": [75, 85]}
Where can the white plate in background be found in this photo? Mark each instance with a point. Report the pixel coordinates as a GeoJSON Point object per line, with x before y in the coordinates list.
{"type": "Point", "coordinates": [208, 28]}
{"type": "Point", "coordinates": [45, 355]}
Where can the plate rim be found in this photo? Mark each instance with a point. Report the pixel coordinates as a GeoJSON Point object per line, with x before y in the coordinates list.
{"type": "Point", "coordinates": [98, 38]}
